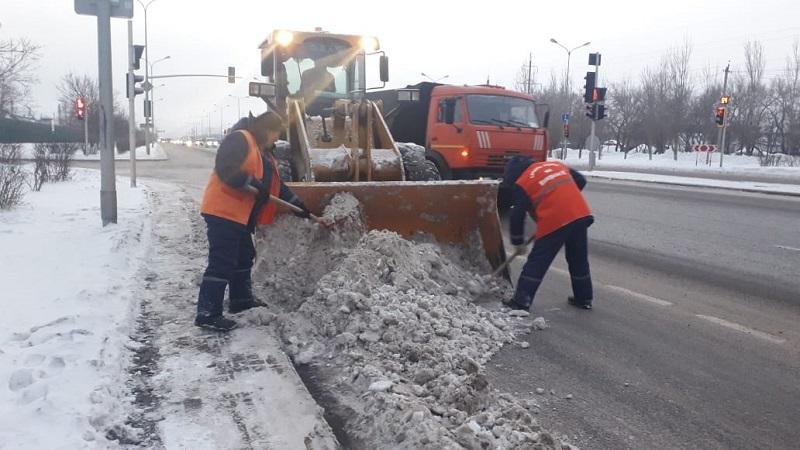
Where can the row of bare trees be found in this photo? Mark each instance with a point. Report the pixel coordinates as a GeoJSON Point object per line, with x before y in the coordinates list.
{"type": "Point", "coordinates": [18, 58]}
{"type": "Point", "coordinates": [670, 107]}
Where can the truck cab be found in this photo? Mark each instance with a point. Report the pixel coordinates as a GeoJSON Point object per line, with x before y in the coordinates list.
{"type": "Point", "coordinates": [468, 131]}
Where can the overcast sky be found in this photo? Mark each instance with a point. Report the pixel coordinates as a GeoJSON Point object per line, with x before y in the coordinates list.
{"type": "Point", "coordinates": [467, 41]}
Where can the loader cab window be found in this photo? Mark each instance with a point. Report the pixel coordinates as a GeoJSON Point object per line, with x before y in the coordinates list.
{"type": "Point", "coordinates": [296, 72]}
{"type": "Point", "coordinates": [459, 114]}
{"type": "Point", "coordinates": [502, 111]}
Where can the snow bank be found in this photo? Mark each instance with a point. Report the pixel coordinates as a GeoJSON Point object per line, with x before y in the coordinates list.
{"type": "Point", "coordinates": [67, 313]}
{"type": "Point", "coordinates": [389, 330]}
{"type": "Point", "coordinates": [157, 153]}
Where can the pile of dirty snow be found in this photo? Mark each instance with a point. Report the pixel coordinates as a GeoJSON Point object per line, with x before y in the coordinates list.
{"type": "Point", "coordinates": [387, 329]}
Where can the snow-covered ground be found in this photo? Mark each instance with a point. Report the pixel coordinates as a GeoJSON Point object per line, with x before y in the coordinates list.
{"type": "Point", "coordinates": [156, 154]}
{"type": "Point", "coordinates": [67, 312]}
{"type": "Point", "coordinates": [747, 186]}
{"type": "Point", "coordinates": [687, 163]}
{"type": "Point", "coordinates": [97, 345]}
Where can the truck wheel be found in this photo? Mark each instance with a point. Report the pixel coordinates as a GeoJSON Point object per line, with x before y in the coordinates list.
{"type": "Point", "coordinates": [417, 168]}
{"type": "Point", "coordinates": [283, 156]}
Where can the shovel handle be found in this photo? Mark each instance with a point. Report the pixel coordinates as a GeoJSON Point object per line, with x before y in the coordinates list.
{"type": "Point", "coordinates": [508, 260]}
{"type": "Point", "coordinates": [295, 208]}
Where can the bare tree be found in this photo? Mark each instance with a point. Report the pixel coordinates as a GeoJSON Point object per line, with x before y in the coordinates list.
{"type": "Point", "coordinates": [17, 60]}
{"type": "Point", "coordinates": [750, 101]}
{"type": "Point", "coordinates": [679, 95]}
{"type": "Point", "coordinates": [525, 80]}
{"type": "Point", "coordinates": [625, 117]}
{"type": "Point", "coordinates": [73, 86]}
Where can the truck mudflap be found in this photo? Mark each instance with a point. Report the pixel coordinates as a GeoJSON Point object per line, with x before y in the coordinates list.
{"type": "Point", "coordinates": [453, 212]}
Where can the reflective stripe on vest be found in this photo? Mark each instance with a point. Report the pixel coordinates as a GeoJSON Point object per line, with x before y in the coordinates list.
{"type": "Point", "coordinates": [555, 198]}
{"type": "Point", "coordinates": [227, 202]}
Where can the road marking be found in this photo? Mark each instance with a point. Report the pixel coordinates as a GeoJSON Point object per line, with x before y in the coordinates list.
{"type": "Point", "coordinates": [786, 247]}
{"type": "Point", "coordinates": [636, 295]}
{"type": "Point", "coordinates": [743, 329]}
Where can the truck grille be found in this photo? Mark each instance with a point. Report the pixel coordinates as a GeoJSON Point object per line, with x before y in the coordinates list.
{"type": "Point", "coordinates": [499, 161]}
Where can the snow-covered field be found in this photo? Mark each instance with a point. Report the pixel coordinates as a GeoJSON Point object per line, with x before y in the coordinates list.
{"type": "Point", "coordinates": [156, 154]}
{"type": "Point", "coordinates": [67, 312]}
{"type": "Point", "coordinates": [687, 162]}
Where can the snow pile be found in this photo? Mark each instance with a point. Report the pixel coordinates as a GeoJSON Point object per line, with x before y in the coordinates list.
{"type": "Point", "coordinates": [388, 327]}
{"type": "Point", "coordinates": [157, 153]}
{"type": "Point", "coordinates": [68, 309]}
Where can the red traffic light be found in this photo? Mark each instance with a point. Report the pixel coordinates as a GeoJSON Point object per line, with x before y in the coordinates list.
{"type": "Point", "coordinates": [719, 116]}
{"type": "Point", "coordinates": [80, 108]}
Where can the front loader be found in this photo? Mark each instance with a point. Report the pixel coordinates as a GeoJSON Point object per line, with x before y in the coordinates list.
{"type": "Point", "coordinates": [338, 141]}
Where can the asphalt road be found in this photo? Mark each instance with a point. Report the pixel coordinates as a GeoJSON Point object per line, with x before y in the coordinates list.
{"type": "Point", "coordinates": [694, 341]}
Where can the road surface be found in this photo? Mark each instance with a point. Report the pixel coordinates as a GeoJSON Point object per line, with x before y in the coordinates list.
{"type": "Point", "coordinates": [694, 341]}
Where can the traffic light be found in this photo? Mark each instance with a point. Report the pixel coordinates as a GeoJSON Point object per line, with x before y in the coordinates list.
{"type": "Point", "coordinates": [231, 74]}
{"type": "Point", "coordinates": [725, 99]}
{"type": "Point", "coordinates": [590, 78]}
{"type": "Point", "coordinates": [719, 116]}
{"type": "Point", "coordinates": [80, 108]}
{"type": "Point", "coordinates": [137, 55]}
{"type": "Point", "coordinates": [599, 95]}
{"type": "Point", "coordinates": [596, 111]}
{"type": "Point", "coordinates": [131, 85]}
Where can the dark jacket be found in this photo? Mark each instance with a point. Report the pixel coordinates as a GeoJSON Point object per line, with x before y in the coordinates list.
{"type": "Point", "coordinates": [520, 202]}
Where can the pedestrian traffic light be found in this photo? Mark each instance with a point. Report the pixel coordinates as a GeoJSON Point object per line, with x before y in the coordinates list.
{"type": "Point", "coordinates": [137, 55]}
{"type": "Point", "coordinates": [719, 116]}
{"type": "Point", "coordinates": [131, 88]}
{"type": "Point", "coordinates": [80, 108]}
{"type": "Point", "coordinates": [590, 78]}
{"type": "Point", "coordinates": [599, 95]}
{"type": "Point", "coordinates": [596, 111]}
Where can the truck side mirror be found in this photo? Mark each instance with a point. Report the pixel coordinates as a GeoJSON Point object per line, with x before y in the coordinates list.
{"type": "Point", "coordinates": [384, 68]}
{"type": "Point", "coordinates": [546, 119]}
{"type": "Point", "coordinates": [449, 110]}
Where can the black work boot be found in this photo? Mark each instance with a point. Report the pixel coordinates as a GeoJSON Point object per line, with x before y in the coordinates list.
{"type": "Point", "coordinates": [583, 305]}
{"type": "Point", "coordinates": [241, 293]}
{"type": "Point", "coordinates": [216, 323]}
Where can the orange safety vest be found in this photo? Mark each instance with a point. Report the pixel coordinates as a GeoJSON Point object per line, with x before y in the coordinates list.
{"type": "Point", "coordinates": [555, 198]}
{"type": "Point", "coordinates": [224, 201]}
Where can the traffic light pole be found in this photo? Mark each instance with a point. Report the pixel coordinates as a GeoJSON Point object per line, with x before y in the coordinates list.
{"type": "Point", "coordinates": [592, 133]}
{"type": "Point", "coordinates": [86, 133]}
{"type": "Point", "coordinates": [108, 192]}
{"type": "Point", "coordinates": [721, 140]}
{"type": "Point", "coordinates": [131, 105]}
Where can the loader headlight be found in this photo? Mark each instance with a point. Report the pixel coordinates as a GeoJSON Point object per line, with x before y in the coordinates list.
{"type": "Point", "coordinates": [284, 37]}
{"type": "Point", "coordinates": [369, 44]}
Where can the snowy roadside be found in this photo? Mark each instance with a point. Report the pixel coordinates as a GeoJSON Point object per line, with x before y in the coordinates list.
{"type": "Point", "coordinates": [745, 186]}
{"type": "Point", "coordinates": [688, 163]}
{"type": "Point", "coordinates": [156, 154]}
{"type": "Point", "coordinates": [97, 345]}
{"type": "Point", "coordinates": [68, 311]}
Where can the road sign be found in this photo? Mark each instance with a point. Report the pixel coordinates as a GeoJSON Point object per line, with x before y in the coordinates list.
{"type": "Point", "coordinates": [119, 8]}
{"type": "Point", "coordinates": [147, 86]}
{"type": "Point", "coordinates": [704, 148]}
{"type": "Point", "coordinates": [565, 118]}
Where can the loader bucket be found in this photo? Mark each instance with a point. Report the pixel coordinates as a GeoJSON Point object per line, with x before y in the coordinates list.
{"type": "Point", "coordinates": [451, 211]}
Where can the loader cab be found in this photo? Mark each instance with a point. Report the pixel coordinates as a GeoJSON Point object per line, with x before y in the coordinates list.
{"type": "Point", "coordinates": [318, 67]}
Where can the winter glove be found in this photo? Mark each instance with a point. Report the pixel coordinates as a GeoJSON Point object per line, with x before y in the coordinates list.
{"type": "Point", "coordinates": [306, 214]}
{"type": "Point", "coordinates": [258, 188]}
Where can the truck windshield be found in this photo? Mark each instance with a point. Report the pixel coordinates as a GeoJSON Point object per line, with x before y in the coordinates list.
{"type": "Point", "coordinates": [502, 110]}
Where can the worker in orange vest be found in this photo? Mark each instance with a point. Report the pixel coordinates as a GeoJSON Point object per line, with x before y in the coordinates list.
{"type": "Point", "coordinates": [551, 193]}
{"type": "Point", "coordinates": [236, 199]}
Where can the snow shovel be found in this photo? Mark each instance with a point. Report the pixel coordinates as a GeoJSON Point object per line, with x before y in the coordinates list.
{"type": "Point", "coordinates": [297, 209]}
{"type": "Point", "coordinates": [508, 260]}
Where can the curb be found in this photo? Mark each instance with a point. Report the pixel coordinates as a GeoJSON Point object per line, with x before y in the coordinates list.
{"type": "Point", "coordinates": [685, 184]}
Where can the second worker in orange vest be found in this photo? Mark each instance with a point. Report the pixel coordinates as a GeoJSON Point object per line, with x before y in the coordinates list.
{"type": "Point", "coordinates": [550, 192]}
{"type": "Point", "coordinates": [235, 201]}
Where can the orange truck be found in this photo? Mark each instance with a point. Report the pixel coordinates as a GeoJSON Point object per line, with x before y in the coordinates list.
{"type": "Point", "coordinates": [467, 131]}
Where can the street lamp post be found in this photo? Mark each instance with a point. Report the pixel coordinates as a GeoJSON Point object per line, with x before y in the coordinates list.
{"type": "Point", "coordinates": [146, 74]}
{"type": "Point", "coordinates": [153, 94]}
{"type": "Point", "coordinates": [567, 86]}
{"type": "Point", "coordinates": [434, 80]}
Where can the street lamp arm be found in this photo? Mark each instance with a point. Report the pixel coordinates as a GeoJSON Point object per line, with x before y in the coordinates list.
{"type": "Point", "coordinates": [560, 45]}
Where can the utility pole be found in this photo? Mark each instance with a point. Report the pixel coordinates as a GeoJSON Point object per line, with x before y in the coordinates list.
{"type": "Point", "coordinates": [721, 132]}
{"type": "Point", "coordinates": [131, 105]}
{"type": "Point", "coordinates": [108, 188]}
{"type": "Point", "coordinates": [530, 68]}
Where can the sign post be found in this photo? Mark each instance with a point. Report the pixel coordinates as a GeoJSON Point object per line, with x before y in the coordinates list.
{"type": "Point", "coordinates": [105, 10]}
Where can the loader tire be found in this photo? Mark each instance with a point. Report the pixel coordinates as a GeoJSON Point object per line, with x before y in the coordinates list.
{"type": "Point", "coordinates": [417, 168]}
{"type": "Point", "coordinates": [283, 156]}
